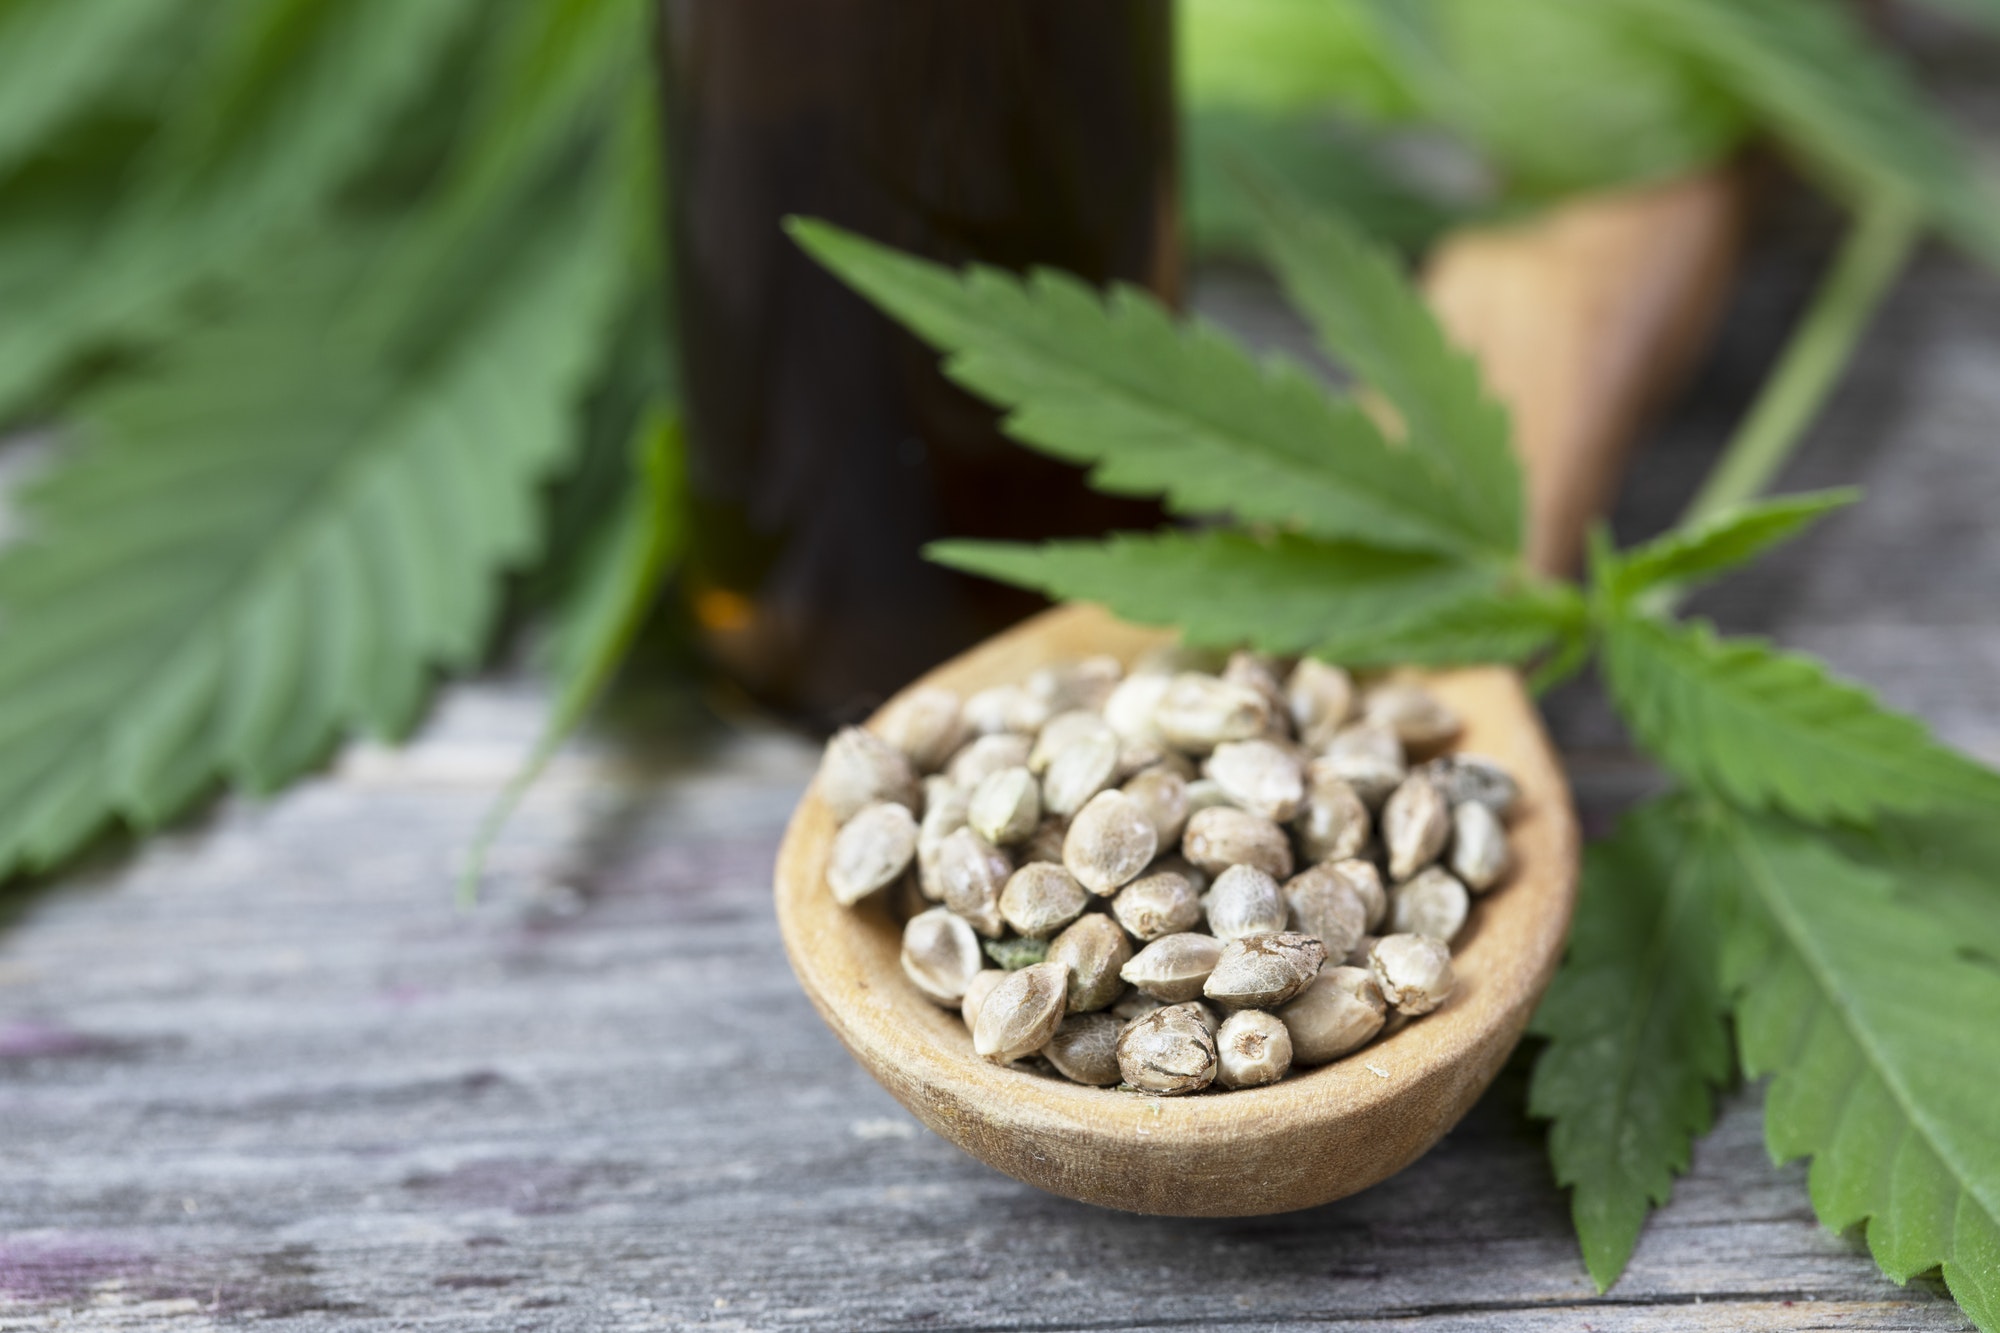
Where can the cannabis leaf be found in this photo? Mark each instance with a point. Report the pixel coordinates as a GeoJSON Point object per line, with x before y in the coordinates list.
{"type": "Point", "coordinates": [279, 532]}
{"type": "Point", "coordinates": [58, 57]}
{"type": "Point", "coordinates": [277, 114]}
{"type": "Point", "coordinates": [1637, 1041]}
{"type": "Point", "coordinates": [1155, 407]}
{"type": "Point", "coordinates": [1689, 555]}
{"type": "Point", "coordinates": [1371, 321]}
{"type": "Point", "coordinates": [1275, 56]}
{"type": "Point", "coordinates": [1810, 72]}
{"type": "Point", "coordinates": [616, 588]}
{"type": "Point", "coordinates": [1342, 601]}
{"type": "Point", "coordinates": [1771, 730]}
{"type": "Point", "coordinates": [1882, 1043]}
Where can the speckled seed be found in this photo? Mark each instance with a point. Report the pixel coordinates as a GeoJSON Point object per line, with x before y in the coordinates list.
{"type": "Point", "coordinates": [1472, 777]}
{"type": "Point", "coordinates": [860, 769]}
{"type": "Point", "coordinates": [1135, 758]}
{"type": "Point", "coordinates": [976, 992]}
{"type": "Point", "coordinates": [1243, 901]}
{"type": "Point", "coordinates": [1323, 903]}
{"type": "Point", "coordinates": [1094, 951]}
{"type": "Point", "coordinates": [1162, 794]}
{"type": "Point", "coordinates": [1222, 836]}
{"type": "Point", "coordinates": [1366, 881]}
{"type": "Point", "coordinates": [926, 724]}
{"type": "Point", "coordinates": [1080, 772]}
{"type": "Point", "coordinates": [1064, 730]}
{"type": "Point", "coordinates": [1156, 904]}
{"type": "Point", "coordinates": [1419, 718]}
{"type": "Point", "coordinates": [1083, 684]}
{"type": "Point", "coordinates": [1046, 842]}
{"type": "Point", "coordinates": [1197, 878]}
{"type": "Point", "coordinates": [1266, 676]}
{"type": "Point", "coordinates": [1478, 846]}
{"type": "Point", "coordinates": [1320, 699]}
{"type": "Point", "coordinates": [1414, 972]}
{"type": "Point", "coordinates": [987, 756]}
{"type": "Point", "coordinates": [1206, 794]}
{"type": "Point", "coordinates": [1264, 971]}
{"type": "Point", "coordinates": [1085, 1049]}
{"type": "Point", "coordinates": [1210, 1019]}
{"type": "Point", "coordinates": [1174, 967]}
{"type": "Point", "coordinates": [1129, 710]}
{"type": "Point", "coordinates": [1135, 1005]}
{"type": "Point", "coordinates": [1040, 899]}
{"type": "Point", "coordinates": [1340, 1012]}
{"type": "Point", "coordinates": [1110, 843]}
{"type": "Point", "coordinates": [1433, 904]}
{"type": "Point", "coordinates": [972, 872]}
{"type": "Point", "coordinates": [1005, 708]}
{"type": "Point", "coordinates": [1259, 776]}
{"type": "Point", "coordinates": [945, 805]}
{"type": "Point", "coordinates": [871, 851]}
{"type": "Point", "coordinates": [1334, 825]}
{"type": "Point", "coordinates": [1198, 713]}
{"type": "Point", "coordinates": [1416, 822]}
{"type": "Point", "coordinates": [941, 955]}
{"type": "Point", "coordinates": [1006, 806]}
{"type": "Point", "coordinates": [1021, 1013]}
{"type": "Point", "coordinates": [1252, 1049]}
{"type": "Point", "coordinates": [1167, 1052]}
{"type": "Point", "coordinates": [1368, 757]}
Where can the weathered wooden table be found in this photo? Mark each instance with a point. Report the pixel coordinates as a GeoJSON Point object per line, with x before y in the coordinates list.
{"type": "Point", "coordinates": [263, 1070]}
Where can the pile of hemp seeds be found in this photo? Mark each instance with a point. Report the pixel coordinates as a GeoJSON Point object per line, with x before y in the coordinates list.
{"type": "Point", "coordinates": [1172, 879]}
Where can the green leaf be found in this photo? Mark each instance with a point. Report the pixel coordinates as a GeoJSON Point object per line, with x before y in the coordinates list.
{"type": "Point", "coordinates": [1284, 594]}
{"type": "Point", "coordinates": [1324, 165]}
{"type": "Point", "coordinates": [1770, 730]}
{"type": "Point", "coordinates": [1882, 1043]}
{"type": "Point", "coordinates": [1690, 555]}
{"type": "Point", "coordinates": [1637, 1041]}
{"type": "Point", "coordinates": [280, 532]}
{"type": "Point", "coordinates": [58, 57]}
{"type": "Point", "coordinates": [270, 125]}
{"type": "Point", "coordinates": [1560, 95]}
{"type": "Point", "coordinates": [1811, 73]}
{"type": "Point", "coordinates": [618, 586]}
{"type": "Point", "coordinates": [1155, 407]}
{"type": "Point", "coordinates": [1371, 320]}
{"type": "Point", "coordinates": [1283, 56]}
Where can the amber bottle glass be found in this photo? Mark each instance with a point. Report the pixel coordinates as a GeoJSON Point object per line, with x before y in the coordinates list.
{"type": "Point", "coordinates": [825, 446]}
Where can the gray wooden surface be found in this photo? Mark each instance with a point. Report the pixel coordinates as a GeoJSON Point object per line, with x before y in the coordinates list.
{"type": "Point", "coordinates": [262, 1071]}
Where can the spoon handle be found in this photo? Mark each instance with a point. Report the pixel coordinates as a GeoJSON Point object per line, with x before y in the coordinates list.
{"type": "Point", "coordinates": [1584, 319]}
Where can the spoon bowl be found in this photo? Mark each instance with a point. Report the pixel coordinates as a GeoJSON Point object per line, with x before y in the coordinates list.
{"type": "Point", "coordinates": [1316, 1136]}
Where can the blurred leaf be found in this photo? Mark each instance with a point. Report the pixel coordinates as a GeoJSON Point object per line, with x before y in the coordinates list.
{"type": "Point", "coordinates": [1284, 56]}
{"type": "Point", "coordinates": [619, 582]}
{"type": "Point", "coordinates": [276, 535]}
{"type": "Point", "coordinates": [267, 126]}
{"type": "Point", "coordinates": [1811, 74]}
{"type": "Point", "coordinates": [1563, 95]}
{"type": "Point", "coordinates": [1325, 167]}
{"type": "Point", "coordinates": [1372, 320]}
{"type": "Point", "coordinates": [58, 57]}
{"type": "Point", "coordinates": [1637, 1042]}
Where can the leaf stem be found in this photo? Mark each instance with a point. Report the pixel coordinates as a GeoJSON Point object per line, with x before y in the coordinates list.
{"type": "Point", "coordinates": [1870, 258]}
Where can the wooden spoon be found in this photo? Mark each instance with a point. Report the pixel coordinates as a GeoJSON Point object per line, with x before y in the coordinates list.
{"type": "Point", "coordinates": [1576, 388]}
{"type": "Point", "coordinates": [1313, 1137]}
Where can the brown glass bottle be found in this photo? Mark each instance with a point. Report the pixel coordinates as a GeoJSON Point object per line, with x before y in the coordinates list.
{"type": "Point", "coordinates": [825, 446]}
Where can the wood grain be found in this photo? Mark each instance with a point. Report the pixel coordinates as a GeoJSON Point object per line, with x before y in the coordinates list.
{"type": "Point", "coordinates": [1582, 319]}
{"type": "Point", "coordinates": [1312, 1138]}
